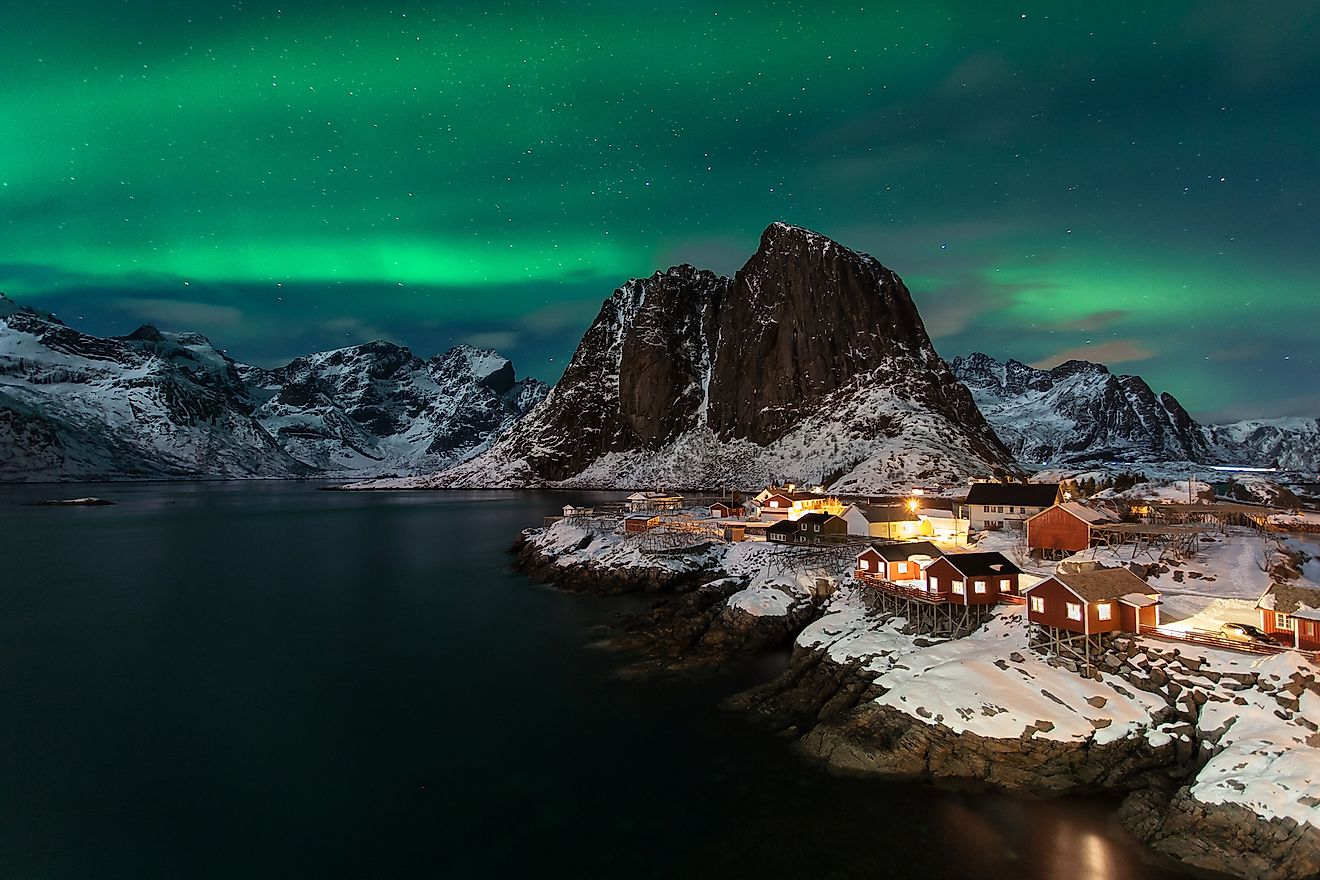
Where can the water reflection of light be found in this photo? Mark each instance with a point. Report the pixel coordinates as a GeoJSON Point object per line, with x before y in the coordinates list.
{"type": "Point", "coordinates": [1082, 855]}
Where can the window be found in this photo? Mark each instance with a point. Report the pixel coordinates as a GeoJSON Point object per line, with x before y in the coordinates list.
{"type": "Point", "coordinates": [1038, 604]}
{"type": "Point", "coordinates": [958, 587]}
{"type": "Point", "coordinates": [934, 583]}
{"type": "Point", "coordinates": [774, 503]}
{"type": "Point", "coordinates": [1074, 611]}
{"type": "Point", "coordinates": [1005, 585]}
{"type": "Point", "coordinates": [1104, 611]}
{"type": "Point", "coordinates": [978, 586]}
{"type": "Point", "coordinates": [901, 567]}
{"type": "Point", "coordinates": [864, 564]}
{"type": "Point", "coordinates": [1283, 621]}
{"type": "Point", "coordinates": [816, 528]}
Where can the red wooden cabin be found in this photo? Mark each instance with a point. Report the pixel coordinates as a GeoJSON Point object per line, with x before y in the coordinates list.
{"type": "Point", "coordinates": [1065, 527]}
{"type": "Point", "coordinates": [1292, 615]}
{"type": "Point", "coordinates": [972, 578]}
{"type": "Point", "coordinates": [896, 562]}
{"type": "Point", "coordinates": [1101, 601]}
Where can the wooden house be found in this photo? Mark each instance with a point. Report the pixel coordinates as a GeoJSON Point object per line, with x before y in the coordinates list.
{"type": "Point", "coordinates": [1292, 615]}
{"type": "Point", "coordinates": [896, 562]}
{"type": "Point", "coordinates": [1064, 529]}
{"type": "Point", "coordinates": [940, 524]}
{"type": "Point", "coordinates": [791, 505]}
{"type": "Point", "coordinates": [639, 502]}
{"type": "Point", "coordinates": [570, 510]}
{"type": "Point", "coordinates": [993, 506]}
{"type": "Point", "coordinates": [640, 522]}
{"type": "Point", "coordinates": [1105, 600]}
{"type": "Point", "coordinates": [971, 578]}
{"type": "Point", "coordinates": [810, 528]}
{"type": "Point", "coordinates": [722, 509]}
{"type": "Point", "coordinates": [895, 522]}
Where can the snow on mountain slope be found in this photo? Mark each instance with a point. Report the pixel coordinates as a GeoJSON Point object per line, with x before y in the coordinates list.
{"type": "Point", "coordinates": [1290, 444]}
{"type": "Point", "coordinates": [1079, 413]}
{"type": "Point", "coordinates": [156, 405]}
{"type": "Point", "coordinates": [148, 405]}
{"type": "Point", "coordinates": [377, 407]}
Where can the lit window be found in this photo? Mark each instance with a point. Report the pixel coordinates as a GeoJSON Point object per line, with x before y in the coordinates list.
{"type": "Point", "coordinates": [978, 586]}
{"type": "Point", "coordinates": [1038, 604]}
{"type": "Point", "coordinates": [1104, 611]}
{"type": "Point", "coordinates": [1074, 611]}
{"type": "Point", "coordinates": [864, 565]}
{"type": "Point", "coordinates": [774, 503]}
{"type": "Point", "coordinates": [1005, 586]}
{"type": "Point", "coordinates": [958, 587]}
{"type": "Point", "coordinates": [934, 583]}
{"type": "Point", "coordinates": [901, 566]}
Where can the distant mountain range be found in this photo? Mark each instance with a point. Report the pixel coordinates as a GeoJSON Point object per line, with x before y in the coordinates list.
{"type": "Point", "coordinates": [810, 363]}
{"type": "Point", "coordinates": [154, 405]}
{"type": "Point", "coordinates": [1081, 414]}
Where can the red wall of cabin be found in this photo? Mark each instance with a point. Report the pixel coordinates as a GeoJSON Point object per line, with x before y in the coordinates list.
{"type": "Point", "coordinates": [1055, 614]}
{"type": "Point", "coordinates": [1056, 530]}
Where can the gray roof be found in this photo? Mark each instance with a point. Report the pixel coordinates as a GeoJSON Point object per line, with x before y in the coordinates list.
{"type": "Point", "coordinates": [1102, 584]}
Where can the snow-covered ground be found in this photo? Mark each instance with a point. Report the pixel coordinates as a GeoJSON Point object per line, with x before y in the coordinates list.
{"type": "Point", "coordinates": [990, 683]}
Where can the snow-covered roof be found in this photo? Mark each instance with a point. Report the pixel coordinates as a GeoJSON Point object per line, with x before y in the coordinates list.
{"type": "Point", "coordinates": [1137, 600]}
{"type": "Point", "coordinates": [1289, 598]}
{"type": "Point", "coordinates": [1090, 515]}
{"type": "Point", "coordinates": [883, 513]}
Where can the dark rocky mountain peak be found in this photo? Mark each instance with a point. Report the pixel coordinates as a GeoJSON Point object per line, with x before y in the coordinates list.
{"type": "Point", "coordinates": [805, 316]}
{"type": "Point", "coordinates": [689, 377]}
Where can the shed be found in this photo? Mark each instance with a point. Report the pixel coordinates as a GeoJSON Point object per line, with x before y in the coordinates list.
{"type": "Point", "coordinates": [1066, 528]}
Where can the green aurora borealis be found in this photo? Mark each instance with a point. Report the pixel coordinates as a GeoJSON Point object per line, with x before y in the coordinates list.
{"type": "Point", "coordinates": [1134, 186]}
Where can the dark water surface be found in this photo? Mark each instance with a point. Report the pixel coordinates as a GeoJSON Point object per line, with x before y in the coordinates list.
{"type": "Point", "coordinates": [265, 680]}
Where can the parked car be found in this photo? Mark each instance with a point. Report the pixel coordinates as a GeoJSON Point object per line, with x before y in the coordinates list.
{"type": "Point", "coordinates": [1245, 632]}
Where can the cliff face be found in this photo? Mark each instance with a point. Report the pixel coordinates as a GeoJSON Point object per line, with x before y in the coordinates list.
{"type": "Point", "coordinates": [804, 318]}
{"type": "Point", "coordinates": [812, 362]}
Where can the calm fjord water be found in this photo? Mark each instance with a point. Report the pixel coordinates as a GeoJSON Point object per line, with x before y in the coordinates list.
{"type": "Point", "coordinates": [228, 680]}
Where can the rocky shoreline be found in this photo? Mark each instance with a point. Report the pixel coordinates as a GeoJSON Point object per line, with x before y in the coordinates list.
{"type": "Point", "coordinates": [845, 712]}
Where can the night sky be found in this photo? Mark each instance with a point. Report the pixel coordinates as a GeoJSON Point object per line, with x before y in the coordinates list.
{"type": "Point", "coordinates": [1133, 186]}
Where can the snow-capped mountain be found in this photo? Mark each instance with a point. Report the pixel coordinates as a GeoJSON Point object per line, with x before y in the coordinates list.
{"type": "Point", "coordinates": [810, 363]}
{"type": "Point", "coordinates": [1290, 444]}
{"type": "Point", "coordinates": [148, 405]}
{"type": "Point", "coordinates": [1080, 413]}
{"type": "Point", "coordinates": [375, 407]}
{"type": "Point", "coordinates": [155, 405]}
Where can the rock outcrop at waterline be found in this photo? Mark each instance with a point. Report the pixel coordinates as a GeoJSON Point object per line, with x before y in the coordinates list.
{"type": "Point", "coordinates": [811, 362]}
